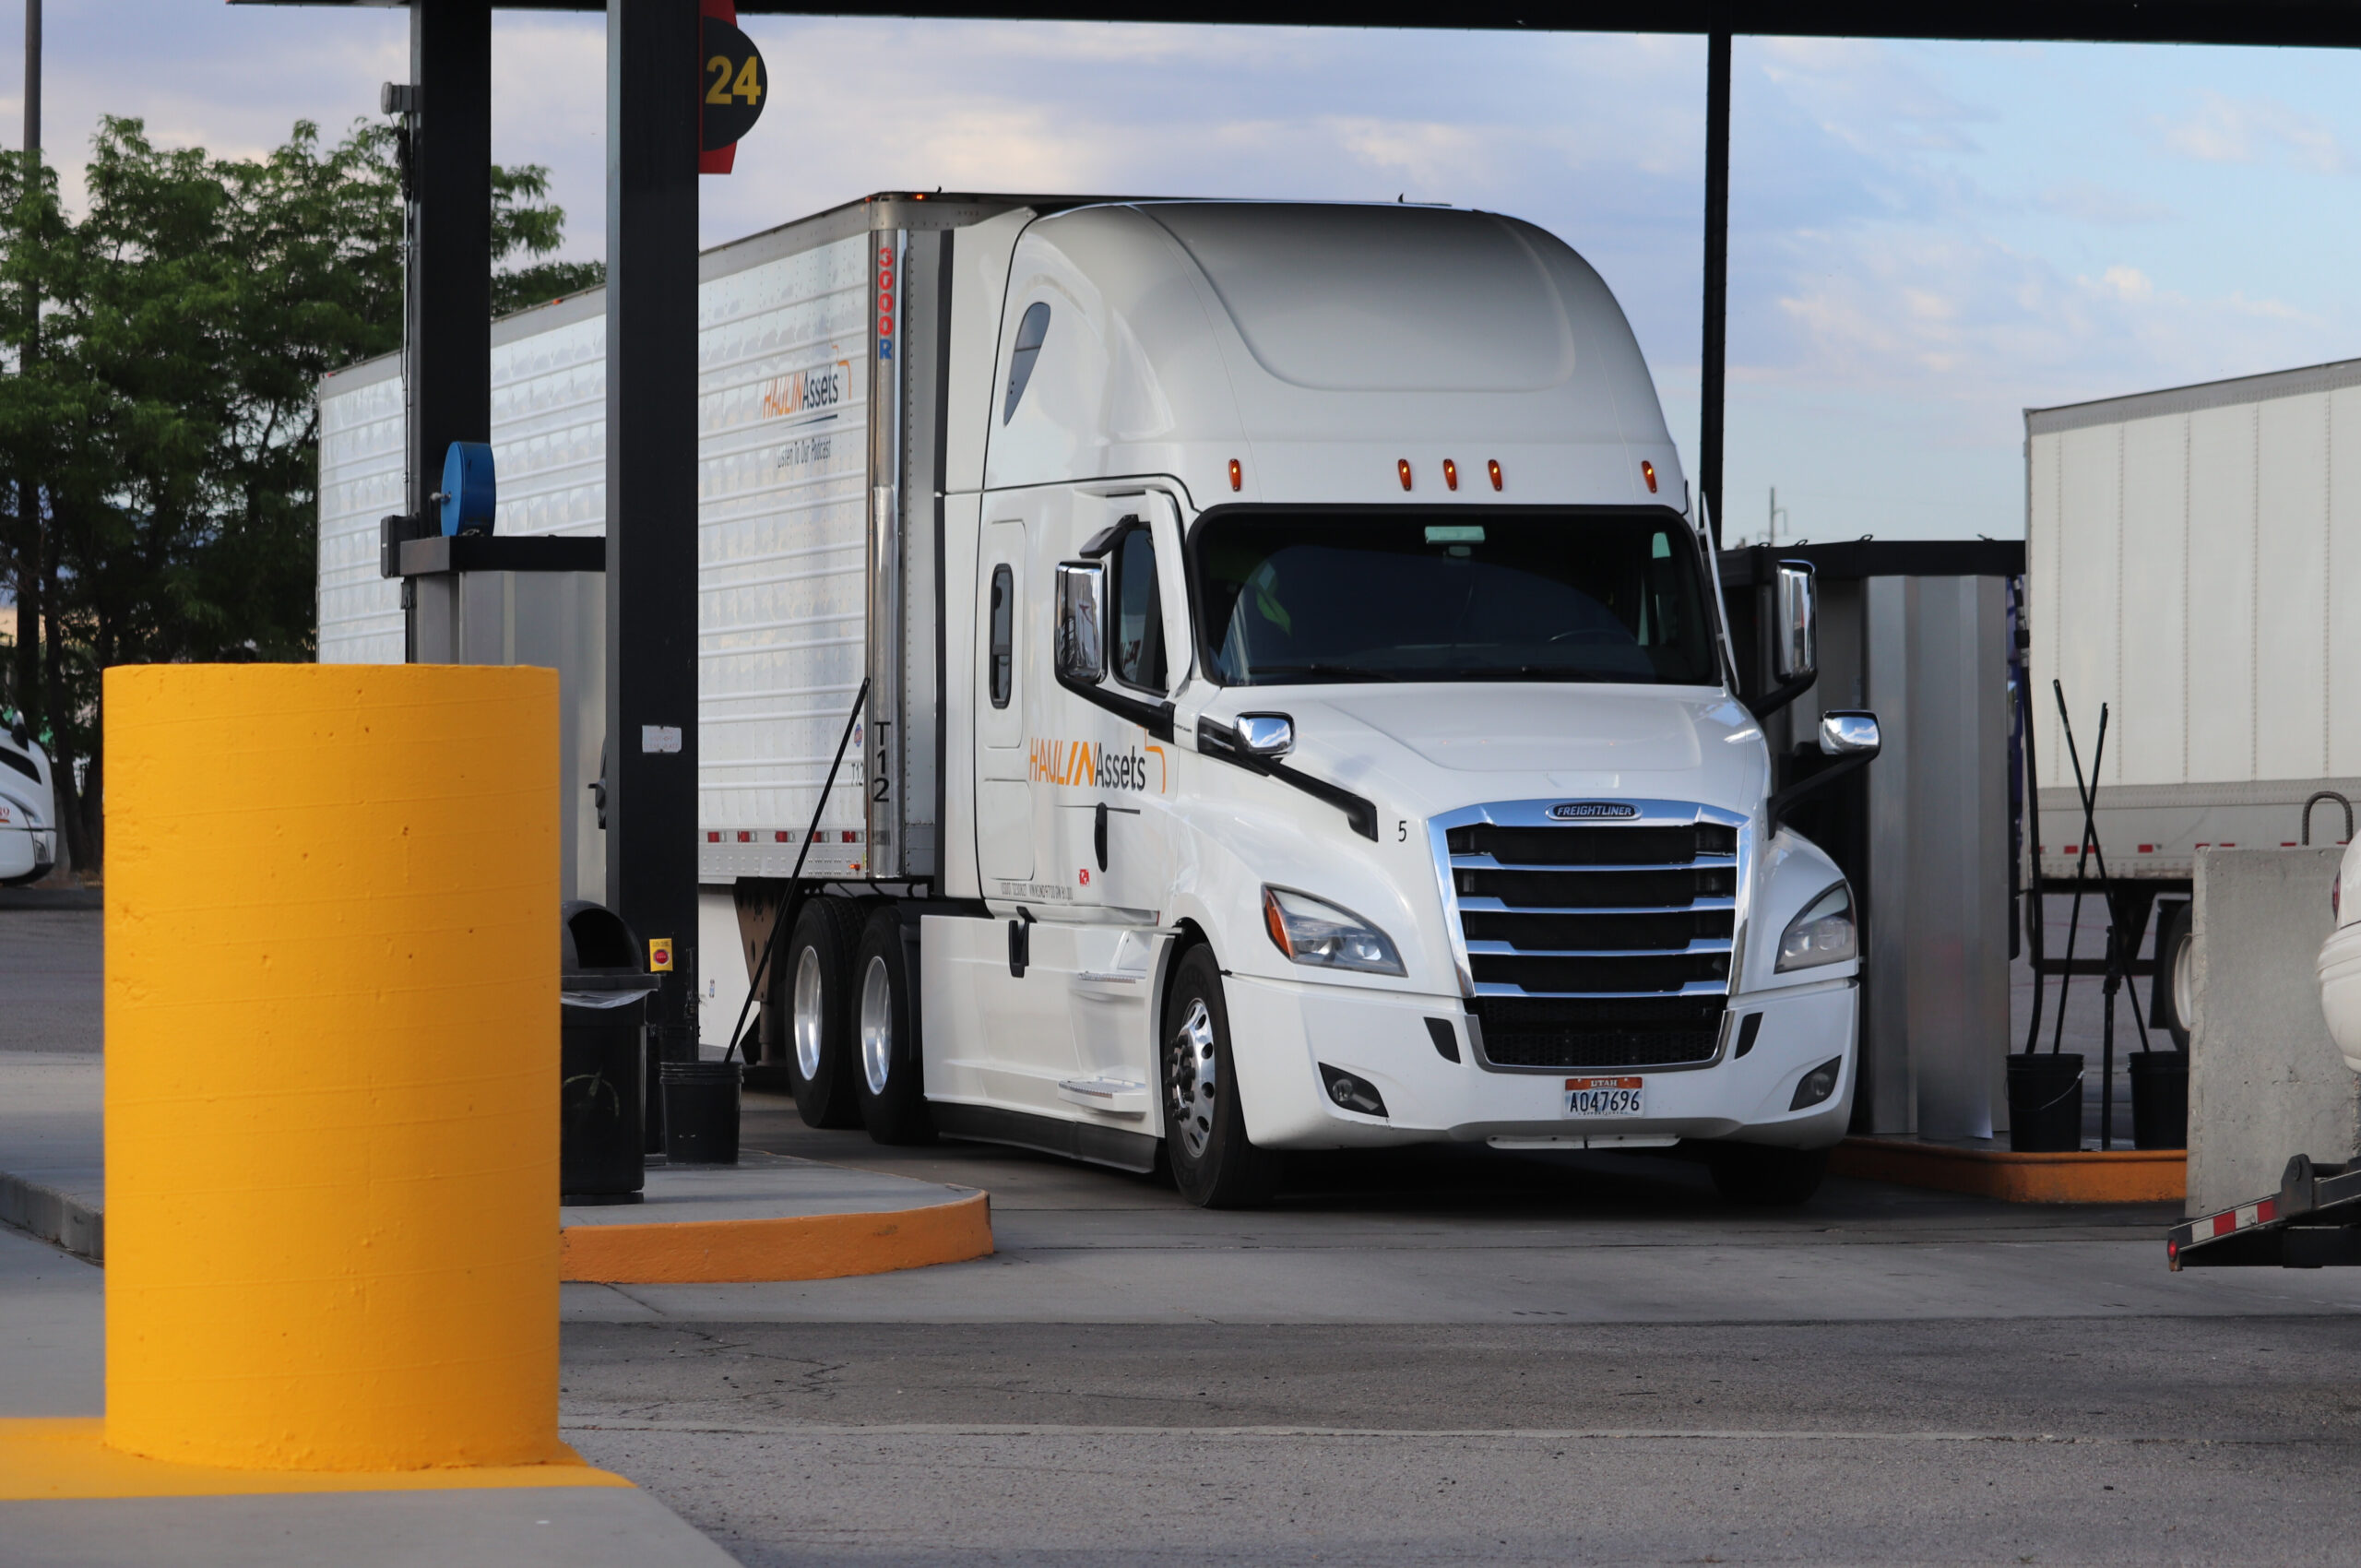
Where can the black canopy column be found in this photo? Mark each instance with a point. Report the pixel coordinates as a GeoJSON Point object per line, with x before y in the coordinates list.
{"type": "Point", "coordinates": [1717, 270]}
{"type": "Point", "coordinates": [446, 302]}
{"type": "Point", "coordinates": [652, 82]}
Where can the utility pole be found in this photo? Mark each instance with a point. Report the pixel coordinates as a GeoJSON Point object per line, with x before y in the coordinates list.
{"type": "Point", "coordinates": [1777, 512]}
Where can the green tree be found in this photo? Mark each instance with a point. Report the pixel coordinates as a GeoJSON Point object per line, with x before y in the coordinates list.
{"type": "Point", "coordinates": [159, 434]}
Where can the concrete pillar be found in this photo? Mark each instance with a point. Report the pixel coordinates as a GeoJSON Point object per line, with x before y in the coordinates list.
{"type": "Point", "coordinates": [331, 1083]}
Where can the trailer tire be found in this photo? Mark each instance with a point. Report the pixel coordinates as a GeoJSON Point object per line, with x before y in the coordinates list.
{"type": "Point", "coordinates": [815, 996]}
{"type": "Point", "coordinates": [1213, 1163]}
{"type": "Point", "coordinates": [2175, 975]}
{"type": "Point", "coordinates": [1758, 1176]}
{"type": "Point", "coordinates": [890, 1079]}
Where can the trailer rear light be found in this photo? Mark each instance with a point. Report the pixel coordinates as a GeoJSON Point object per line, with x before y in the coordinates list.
{"type": "Point", "coordinates": [781, 836]}
{"type": "Point", "coordinates": [1495, 466]}
{"type": "Point", "coordinates": [744, 837]}
{"type": "Point", "coordinates": [1449, 475]}
{"type": "Point", "coordinates": [712, 838]}
{"type": "Point", "coordinates": [1648, 473]}
{"type": "Point", "coordinates": [1237, 475]}
{"type": "Point", "coordinates": [2147, 849]}
{"type": "Point", "coordinates": [850, 837]}
{"type": "Point", "coordinates": [1402, 466]}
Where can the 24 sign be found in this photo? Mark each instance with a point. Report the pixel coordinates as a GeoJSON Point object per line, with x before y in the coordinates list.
{"type": "Point", "coordinates": [732, 86]}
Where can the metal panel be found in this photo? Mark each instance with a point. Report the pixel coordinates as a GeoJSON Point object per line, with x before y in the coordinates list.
{"type": "Point", "coordinates": [884, 720]}
{"type": "Point", "coordinates": [2089, 652]}
{"type": "Point", "coordinates": [361, 481]}
{"type": "Point", "coordinates": [1888, 1088]}
{"type": "Point", "coordinates": [2150, 735]}
{"type": "Point", "coordinates": [2221, 595]}
{"type": "Point", "coordinates": [783, 414]}
{"type": "Point", "coordinates": [2342, 633]}
{"type": "Point", "coordinates": [2291, 576]}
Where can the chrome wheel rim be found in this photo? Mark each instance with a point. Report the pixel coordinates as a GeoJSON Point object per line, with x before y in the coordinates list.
{"type": "Point", "coordinates": [876, 1026]}
{"type": "Point", "coordinates": [807, 1013]}
{"type": "Point", "coordinates": [2185, 980]}
{"type": "Point", "coordinates": [1192, 1080]}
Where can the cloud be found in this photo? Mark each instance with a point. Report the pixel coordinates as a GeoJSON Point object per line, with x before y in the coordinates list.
{"type": "Point", "coordinates": [2226, 130]}
{"type": "Point", "coordinates": [2088, 201]}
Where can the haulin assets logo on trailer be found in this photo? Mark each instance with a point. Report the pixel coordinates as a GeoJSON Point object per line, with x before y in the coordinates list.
{"type": "Point", "coordinates": [1593, 811]}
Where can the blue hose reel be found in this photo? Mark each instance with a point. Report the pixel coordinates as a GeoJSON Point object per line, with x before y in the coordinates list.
{"type": "Point", "coordinates": [469, 490]}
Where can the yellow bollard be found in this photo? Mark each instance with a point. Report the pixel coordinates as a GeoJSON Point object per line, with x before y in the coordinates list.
{"type": "Point", "coordinates": [331, 1065]}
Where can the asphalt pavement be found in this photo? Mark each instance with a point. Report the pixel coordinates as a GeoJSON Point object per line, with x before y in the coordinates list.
{"type": "Point", "coordinates": [1463, 1357]}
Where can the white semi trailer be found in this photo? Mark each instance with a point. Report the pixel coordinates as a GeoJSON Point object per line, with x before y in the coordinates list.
{"type": "Point", "coordinates": [2193, 561]}
{"type": "Point", "coordinates": [1299, 708]}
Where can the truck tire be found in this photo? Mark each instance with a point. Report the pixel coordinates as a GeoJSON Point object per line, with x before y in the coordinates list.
{"type": "Point", "coordinates": [891, 1080]}
{"type": "Point", "coordinates": [1758, 1176]}
{"type": "Point", "coordinates": [815, 994]}
{"type": "Point", "coordinates": [2169, 996]}
{"type": "Point", "coordinates": [1204, 1128]}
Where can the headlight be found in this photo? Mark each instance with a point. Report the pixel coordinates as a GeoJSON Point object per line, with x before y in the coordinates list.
{"type": "Point", "coordinates": [1310, 930]}
{"type": "Point", "coordinates": [1821, 934]}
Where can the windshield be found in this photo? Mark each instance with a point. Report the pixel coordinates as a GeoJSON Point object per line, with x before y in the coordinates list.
{"type": "Point", "coordinates": [1283, 599]}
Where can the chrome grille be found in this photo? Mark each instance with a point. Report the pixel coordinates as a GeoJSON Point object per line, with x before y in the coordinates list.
{"type": "Point", "coordinates": [1594, 944]}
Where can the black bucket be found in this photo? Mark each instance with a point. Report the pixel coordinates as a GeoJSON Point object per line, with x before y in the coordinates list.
{"type": "Point", "coordinates": [700, 1112]}
{"type": "Point", "coordinates": [2159, 1099]}
{"type": "Point", "coordinates": [2044, 1102]}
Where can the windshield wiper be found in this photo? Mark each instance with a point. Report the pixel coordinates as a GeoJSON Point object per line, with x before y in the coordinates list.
{"type": "Point", "coordinates": [1335, 672]}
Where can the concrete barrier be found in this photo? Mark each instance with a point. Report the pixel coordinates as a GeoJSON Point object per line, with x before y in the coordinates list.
{"type": "Point", "coordinates": [331, 1068]}
{"type": "Point", "coordinates": [2265, 1080]}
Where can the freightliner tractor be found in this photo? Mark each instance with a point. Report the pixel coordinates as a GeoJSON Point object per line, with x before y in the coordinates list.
{"type": "Point", "coordinates": [1289, 700]}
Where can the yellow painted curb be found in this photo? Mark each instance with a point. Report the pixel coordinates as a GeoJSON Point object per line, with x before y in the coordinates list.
{"type": "Point", "coordinates": [810, 1246]}
{"type": "Point", "coordinates": [50, 1460]}
{"type": "Point", "coordinates": [2116, 1176]}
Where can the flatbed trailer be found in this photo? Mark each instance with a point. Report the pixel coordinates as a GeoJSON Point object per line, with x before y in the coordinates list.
{"type": "Point", "coordinates": [2313, 1221]}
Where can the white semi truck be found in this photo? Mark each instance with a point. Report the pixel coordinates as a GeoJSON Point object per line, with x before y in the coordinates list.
{"type": "Point", "coordinates": [1299, 708]}
{"type": "Point", "coordinates": [28, 806]}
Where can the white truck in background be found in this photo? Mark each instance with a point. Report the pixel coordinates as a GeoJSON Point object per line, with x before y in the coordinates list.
{"type": "Point", "coordinates": [2192, 560]}
{"type": "Point", "coordinates": [1300, 712]}
{"type": "Point", "coordinates": [28, 807]}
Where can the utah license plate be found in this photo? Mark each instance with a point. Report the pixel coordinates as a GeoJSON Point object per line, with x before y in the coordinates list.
{"type": "Point", "coordinates": [1605, 1097]}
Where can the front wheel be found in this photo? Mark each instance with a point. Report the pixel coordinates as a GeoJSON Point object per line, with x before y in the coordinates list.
{"type": "Point", "coordinates": [1758, 1176]}
{"type": "Point", "coordinates": [1205, 1129]}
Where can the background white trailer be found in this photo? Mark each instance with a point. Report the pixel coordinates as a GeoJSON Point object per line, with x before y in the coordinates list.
{"type": "Point", "coordinates": [2193, 560]}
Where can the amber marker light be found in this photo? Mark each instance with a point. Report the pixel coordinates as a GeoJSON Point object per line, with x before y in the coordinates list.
{"type": "Point", "coordinates": [1648, 473]}
{"type": "Point", "coordinates": [1273, 920]}
{"type": "Point", "coordinates": [1449, 475]}
{"type": "Point", "coordinates": [1402, 466]}
{"type": "Point", "coordinates": [1237, 475]}
{"type": "Point", "coordinates": [1495, 466]}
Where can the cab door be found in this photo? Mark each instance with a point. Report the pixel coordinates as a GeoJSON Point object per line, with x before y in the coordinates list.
{"type": "Point", "coordinates": [1114, 771]}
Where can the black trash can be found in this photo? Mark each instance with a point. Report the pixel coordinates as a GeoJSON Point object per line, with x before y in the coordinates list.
{"type": "Point", "coordinates": [2044, 1102]}
{"type": "Point", "coordinates": [700, 1112]}
{"type": "Point", "coordinates": [602, 996]}
{"type": "Point", "coordinates": [2159, 1099]}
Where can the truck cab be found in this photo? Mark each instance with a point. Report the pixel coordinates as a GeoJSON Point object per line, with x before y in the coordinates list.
{"type": "Point", "coordinates": [1348, 744]}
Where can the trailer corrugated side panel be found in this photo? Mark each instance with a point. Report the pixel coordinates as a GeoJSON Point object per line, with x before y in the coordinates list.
{"type": "Point", "coordinates": [2194, 562]}
{"type": "Point", "coordinates": [782, 580]}
{"type": "Point", "coordinates": [783, 341]}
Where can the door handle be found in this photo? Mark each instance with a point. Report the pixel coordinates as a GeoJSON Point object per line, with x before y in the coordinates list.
{"type": "Point", "coordinates": [1098, 836]}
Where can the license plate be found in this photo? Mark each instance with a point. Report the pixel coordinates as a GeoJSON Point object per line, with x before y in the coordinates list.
{"type": "Point", "coordinates": [1605, 1097]}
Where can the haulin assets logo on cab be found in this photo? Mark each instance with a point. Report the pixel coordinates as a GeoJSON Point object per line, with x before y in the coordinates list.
{"type": "Point", "coordinates": [1091, 766]}
{"type": "Point", "coordinates": [1593, 811]}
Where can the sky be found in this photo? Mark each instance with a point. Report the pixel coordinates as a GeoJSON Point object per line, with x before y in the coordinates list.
{"type": "Point", "coordinates": [1926, 239]}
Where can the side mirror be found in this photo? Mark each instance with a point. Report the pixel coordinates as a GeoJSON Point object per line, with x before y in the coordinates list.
{"type": "Point", "coordinates": [1082, 642]}
{"type": "Point", "coordinates": [1851, 738]}
{"type": "Point", "coordinates": [1266, 734]}
{"type": "Point", "coordinates": [1848, 734]}
{"type": "Point", "coordinates": [1796, 591]}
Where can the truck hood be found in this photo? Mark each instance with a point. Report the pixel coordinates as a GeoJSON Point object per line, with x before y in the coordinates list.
{"type": "Point", "coordinates": [1439, 747]}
